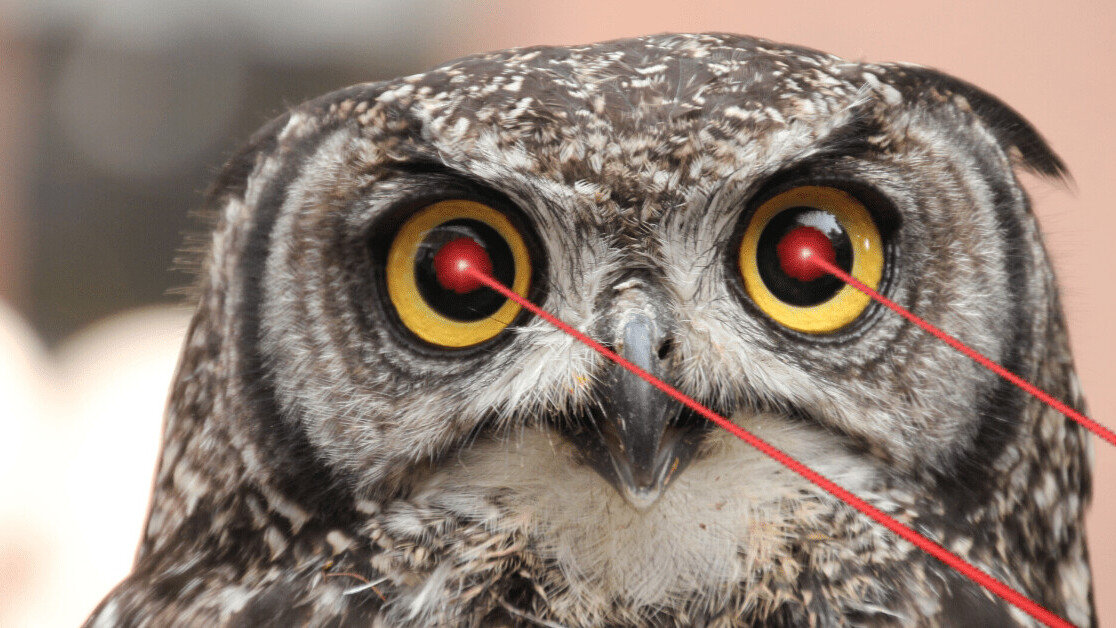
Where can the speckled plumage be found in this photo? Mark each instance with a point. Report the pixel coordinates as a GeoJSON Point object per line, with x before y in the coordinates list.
{"type": "Point", "coordinates": [312, 450]}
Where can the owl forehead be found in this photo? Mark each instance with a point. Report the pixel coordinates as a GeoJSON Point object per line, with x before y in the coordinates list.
{"type": "Point", "coordinates": [636, 82]}
{"type": "Point", "coordinates": [657, 103]}
{"type": "Point", "coordinates": [637, 127]}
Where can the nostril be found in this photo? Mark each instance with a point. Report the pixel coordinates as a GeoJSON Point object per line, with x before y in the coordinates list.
{"type": "Point", "coordinates": [666, 349]}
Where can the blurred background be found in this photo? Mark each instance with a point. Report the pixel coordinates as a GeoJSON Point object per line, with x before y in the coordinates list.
{"type": "Point", "coordinates": [115, 115]}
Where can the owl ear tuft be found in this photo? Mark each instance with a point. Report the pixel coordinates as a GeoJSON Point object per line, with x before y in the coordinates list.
{"type": "Point", "coordinates": [1019, 139]}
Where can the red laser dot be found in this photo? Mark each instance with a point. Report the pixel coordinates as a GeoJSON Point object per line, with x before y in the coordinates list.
{"type": "Point", "coordinates": [453, 260]}
{"type": "Point", "coordinates": [797, 248]}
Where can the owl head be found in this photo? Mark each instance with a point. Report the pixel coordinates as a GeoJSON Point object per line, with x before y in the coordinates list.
{"type": "Point", "coordinates": [334, 391]}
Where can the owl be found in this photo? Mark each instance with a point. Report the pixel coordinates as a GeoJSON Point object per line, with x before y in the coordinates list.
{"type": "Point", "coordinates": [353, 438]}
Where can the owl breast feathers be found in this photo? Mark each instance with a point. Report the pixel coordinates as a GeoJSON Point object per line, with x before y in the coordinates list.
{"type": "Point", "coordinates": [357, 437]}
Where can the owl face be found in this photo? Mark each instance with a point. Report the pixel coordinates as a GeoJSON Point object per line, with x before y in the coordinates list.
{"type": "Point", "coordinates": [345, 394]}
{"type": "Point", "coordinates": [644, 211]}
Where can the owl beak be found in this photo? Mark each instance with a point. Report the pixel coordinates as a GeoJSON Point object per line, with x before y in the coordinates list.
{"type": "Point", "coordinates": [643, 438]}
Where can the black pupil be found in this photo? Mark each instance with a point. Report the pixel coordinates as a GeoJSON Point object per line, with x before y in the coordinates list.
{"type": "Point", "coordinates": [786, 288]}
{"type": "Point", "coordinates": [478, 304]}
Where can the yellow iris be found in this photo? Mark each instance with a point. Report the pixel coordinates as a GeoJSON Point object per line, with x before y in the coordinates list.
{"type": "Point", "coordinates": [867, 259]}
{"type": "Point", "coordinates": [402, 282]}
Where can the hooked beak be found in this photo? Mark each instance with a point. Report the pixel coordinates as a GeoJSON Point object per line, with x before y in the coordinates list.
{"type": "Point", "coordinates": [640, 439]}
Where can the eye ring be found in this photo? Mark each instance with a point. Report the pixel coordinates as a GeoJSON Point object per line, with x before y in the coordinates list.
{"type": "Point", "coordinates": [865, 259]}
{"type": "Point", "coordinates": [405, 288]}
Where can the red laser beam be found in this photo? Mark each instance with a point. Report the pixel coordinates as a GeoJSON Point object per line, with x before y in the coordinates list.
{"type": "Point", "coordinates": [1038, 393]}
{"type": "Point", "coordinates": [966, 568]}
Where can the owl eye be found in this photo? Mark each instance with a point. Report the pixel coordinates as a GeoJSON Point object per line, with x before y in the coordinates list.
{"type": "Point", "coordinates": [436, 302]}
{"type": "Point", "coordinates": [831, 222]}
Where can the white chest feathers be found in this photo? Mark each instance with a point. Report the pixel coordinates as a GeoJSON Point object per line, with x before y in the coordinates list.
{"type": "Point", "coordinates": [726, 521]}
